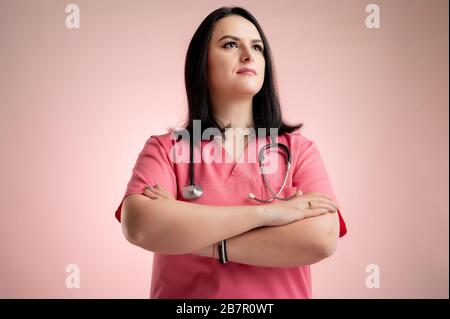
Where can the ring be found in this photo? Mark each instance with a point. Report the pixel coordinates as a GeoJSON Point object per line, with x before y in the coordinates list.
{"type": "Point", "coordinates": [309, 204]}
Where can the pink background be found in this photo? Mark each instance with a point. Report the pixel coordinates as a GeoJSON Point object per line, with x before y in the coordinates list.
{"type": "Point", "coordinates": [76, 107]}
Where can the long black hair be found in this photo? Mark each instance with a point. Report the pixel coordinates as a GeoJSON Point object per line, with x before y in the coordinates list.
{"type": "Point", "coordinates": [266, 105]}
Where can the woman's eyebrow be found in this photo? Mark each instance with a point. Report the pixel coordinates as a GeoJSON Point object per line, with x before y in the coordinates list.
{"type": "Point", "coordinates": [237, 39]}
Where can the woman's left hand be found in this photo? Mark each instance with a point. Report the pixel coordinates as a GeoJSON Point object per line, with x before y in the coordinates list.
{"type": "Point", "coordinates": [157, 192]}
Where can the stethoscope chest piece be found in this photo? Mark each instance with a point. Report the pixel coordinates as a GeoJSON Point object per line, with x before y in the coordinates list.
{"type": "Point", "coordinates": [192, 192]}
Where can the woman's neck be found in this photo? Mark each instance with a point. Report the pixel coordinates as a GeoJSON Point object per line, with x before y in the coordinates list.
{"type": "Point", "coordinates": [237, 113]}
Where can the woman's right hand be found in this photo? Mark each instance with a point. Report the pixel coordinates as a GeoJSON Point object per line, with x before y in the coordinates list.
{"type": "Point", "coordinates": [285, 212]}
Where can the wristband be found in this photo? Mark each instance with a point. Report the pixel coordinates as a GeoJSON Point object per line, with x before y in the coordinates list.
{"type": "Point", "coordinates": [223, 259]}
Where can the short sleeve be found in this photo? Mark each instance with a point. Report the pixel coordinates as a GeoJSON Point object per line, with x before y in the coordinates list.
{"type": "Point", "coordinates": [310, 175]}
{"type": "Point", "coordinates": [152, 167]}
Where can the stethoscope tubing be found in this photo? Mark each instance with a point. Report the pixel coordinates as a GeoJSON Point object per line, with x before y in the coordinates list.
{"type": "Point", "coordinates": [193, 191]}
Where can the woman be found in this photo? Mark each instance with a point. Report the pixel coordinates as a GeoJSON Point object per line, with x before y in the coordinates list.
{"type": "Point", "coordinates": [269, 246]}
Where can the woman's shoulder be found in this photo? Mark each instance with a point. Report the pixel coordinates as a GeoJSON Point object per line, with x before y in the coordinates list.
{"type": "Point", "coordinates": [164, 140]}
{"type": "Point", "coordinates": [295, 139]}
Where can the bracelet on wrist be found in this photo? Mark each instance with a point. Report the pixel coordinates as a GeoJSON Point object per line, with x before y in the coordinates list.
{"type": "Point", "coordinates": [223, 259]}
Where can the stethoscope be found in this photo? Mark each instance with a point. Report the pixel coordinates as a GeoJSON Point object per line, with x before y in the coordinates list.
{"type": "Point", "coordinates": [194, 191]}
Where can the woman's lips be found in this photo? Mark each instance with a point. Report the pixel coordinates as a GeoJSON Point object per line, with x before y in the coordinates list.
{"type": "Point", "coordinates": [246, 73]}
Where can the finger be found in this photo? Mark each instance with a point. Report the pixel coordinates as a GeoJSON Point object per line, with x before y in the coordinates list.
{"type": "Point", "coordinates": [326, 203]}
{"type": "Point", "coordinates": [150, 194]}
{"type": "Point", "coordinates": [166, 193]}
{"type": "Point", "coordinates": [320, 205]}
{"type": "Point", "coordinates": [320, 198]}
{"type": "Point", "coordinates": [315, 212]}
{"type": "Point", "coordinates": [161, 190]}
{"type": "Point", "coordinates": [323, 206]}
{"type": "Point", "coordinates": [152, 190]}
{"type": "Point", "coordinates": [317, 194]}
{"type": "Point", "coordinates": [156, 190]}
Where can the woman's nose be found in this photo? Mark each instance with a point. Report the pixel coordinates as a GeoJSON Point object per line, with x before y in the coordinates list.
{"type": "Point", "coordinates": [247, 54]}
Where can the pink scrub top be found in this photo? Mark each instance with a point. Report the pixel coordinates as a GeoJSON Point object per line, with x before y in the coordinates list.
{"type": "Point", "coordinates": [228, 183]}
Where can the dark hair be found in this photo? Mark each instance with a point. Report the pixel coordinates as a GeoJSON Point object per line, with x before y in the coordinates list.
{"type": "Point", "coordinates": [266, 105]}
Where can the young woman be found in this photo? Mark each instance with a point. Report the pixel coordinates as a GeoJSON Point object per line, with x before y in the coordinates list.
{"type": "Point", "coordinates": [210, 235]}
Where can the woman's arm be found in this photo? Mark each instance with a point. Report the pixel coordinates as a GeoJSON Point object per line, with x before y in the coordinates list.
{"type": "Point", "coordinates": [279, 246]}
{"type": "Point", "coordinates": [177, 227]}
{"type": "Point", "coordinates": [303, 242]}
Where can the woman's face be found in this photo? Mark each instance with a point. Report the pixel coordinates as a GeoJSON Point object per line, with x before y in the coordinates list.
{"type": "Point", "coordinates": [227, 55]}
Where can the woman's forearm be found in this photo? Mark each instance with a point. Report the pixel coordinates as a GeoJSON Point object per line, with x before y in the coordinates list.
{"type": "Point", "coordinates": [303, 242]}
{"type": "Point", "coordinates": [177, 227]}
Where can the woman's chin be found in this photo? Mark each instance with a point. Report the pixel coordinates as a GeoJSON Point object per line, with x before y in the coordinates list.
{"type": "Point", "coordinates": [247, 89]}
{"type": "Point", "coordinates": [246, 93]}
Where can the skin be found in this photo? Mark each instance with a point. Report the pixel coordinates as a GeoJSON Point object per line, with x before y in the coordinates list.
{"type": "Point", "coordinates": [231, 93]}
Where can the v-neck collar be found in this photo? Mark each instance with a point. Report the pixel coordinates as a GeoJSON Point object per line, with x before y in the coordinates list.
{"type": "Point", "coordinates": [229, 158]}
{"type": "Point", "coordinates": [239, 169]}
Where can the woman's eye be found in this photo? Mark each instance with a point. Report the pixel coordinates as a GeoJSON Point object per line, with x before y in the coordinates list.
{"type": "Point", "coordinates": [229, 43]}
{"type": "Point", "coordinates": [260, 48]}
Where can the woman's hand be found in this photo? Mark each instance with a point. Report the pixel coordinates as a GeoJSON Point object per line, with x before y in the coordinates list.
{"type": "Point", "coordinates": [285, 212]}
{"type": "Point", "coordinates": [157, 192]}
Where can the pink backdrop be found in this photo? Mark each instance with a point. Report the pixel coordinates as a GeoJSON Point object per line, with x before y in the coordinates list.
{"type": "Point", "coordinates": [77, 105]}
